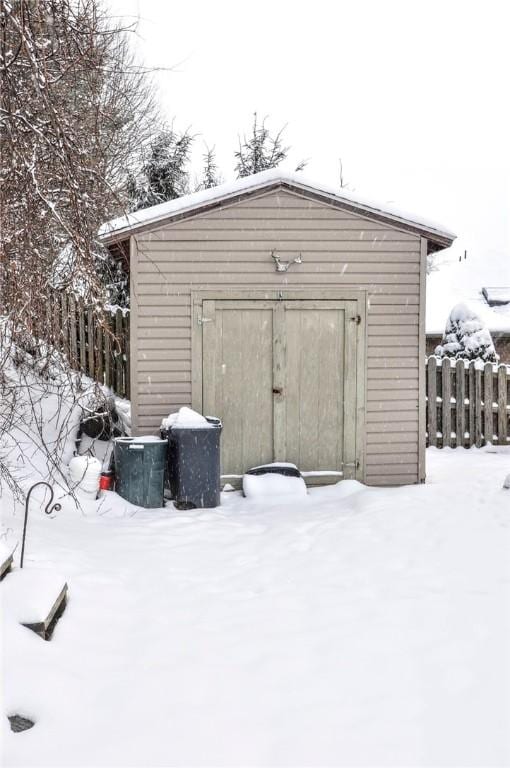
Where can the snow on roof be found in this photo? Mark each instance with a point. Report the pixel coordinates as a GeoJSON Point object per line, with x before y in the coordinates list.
{"type": "Point", "coordinates": [463, 281]}
{"type": "Point", "coordinates": [132, 221]}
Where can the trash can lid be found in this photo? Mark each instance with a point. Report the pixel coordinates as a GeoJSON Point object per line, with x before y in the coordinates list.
{"type": "Point", "coordinates": [186, 418]}
{"type": "Point", "coordinates": [275, 468]}
{"type": "Point", "coordinates": [140, 439]}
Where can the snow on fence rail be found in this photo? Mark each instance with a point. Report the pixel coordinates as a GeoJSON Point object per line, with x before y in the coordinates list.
{"type": "Point", "coordinates": [99, 350]}
{"type": "Point", "coordinates": [467, 404]}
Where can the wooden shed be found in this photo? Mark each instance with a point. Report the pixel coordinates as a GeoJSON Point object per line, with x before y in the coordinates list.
{"type": "Point", "coordinates": [293, 312]}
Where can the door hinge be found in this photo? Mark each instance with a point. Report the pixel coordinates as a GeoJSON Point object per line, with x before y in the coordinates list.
{"type": "Point", "coordinates": [202, 320]}
{"type": "Point", "coordinates": [356, 319]}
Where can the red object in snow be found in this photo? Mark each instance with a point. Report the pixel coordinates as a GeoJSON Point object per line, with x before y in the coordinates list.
{"type": "Point", "coordinates": [106, 481]}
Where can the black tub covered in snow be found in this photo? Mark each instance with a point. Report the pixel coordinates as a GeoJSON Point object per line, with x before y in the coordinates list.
{"type": "Point", "coordinates": [274, 480]}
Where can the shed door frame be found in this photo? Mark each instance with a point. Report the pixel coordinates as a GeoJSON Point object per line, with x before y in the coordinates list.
{"type": "Point", "coordinates": [308, 294]}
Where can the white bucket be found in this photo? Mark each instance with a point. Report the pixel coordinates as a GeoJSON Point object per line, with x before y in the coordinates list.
{"type": "Point", "coordinates": [84, 473]}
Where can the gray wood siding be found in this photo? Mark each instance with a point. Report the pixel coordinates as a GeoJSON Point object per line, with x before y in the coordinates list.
{"type": "Point", "coordinates": [230, 247]}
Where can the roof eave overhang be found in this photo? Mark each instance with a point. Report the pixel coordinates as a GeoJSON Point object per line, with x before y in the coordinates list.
{"type": "Point", "coordinates": [436, 239]}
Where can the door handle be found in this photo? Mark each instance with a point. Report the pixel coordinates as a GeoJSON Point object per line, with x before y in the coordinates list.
{"type": "Point", "coordinates": [277, 390]}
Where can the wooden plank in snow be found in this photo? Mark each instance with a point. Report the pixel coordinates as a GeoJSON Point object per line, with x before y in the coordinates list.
{"type": "Point", "coordinates": [5, 566]}
{"type": "Point", "coordinates": [45, 627]}
{"type": "Point", "coordinates": [36, 599]}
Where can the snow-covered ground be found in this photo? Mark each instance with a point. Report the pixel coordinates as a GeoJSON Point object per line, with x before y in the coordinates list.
{"type": "Point", "coordinates": [355, 626]}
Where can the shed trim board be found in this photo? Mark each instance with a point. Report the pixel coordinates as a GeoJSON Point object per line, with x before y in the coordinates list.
{"type": "Point", "coordinates": [306, 298]}
{"type": "Point", "coordinates": [397, 223]}
{"type": "Point", "coordinates": [260, 184]}
{"type": "Point", "coordinates": [422, 354]}
{"type": "Point", "coordinates": [133, 327]}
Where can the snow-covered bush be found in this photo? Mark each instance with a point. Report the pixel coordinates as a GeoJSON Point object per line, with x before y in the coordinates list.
{"type": "Point", "coordinates": [42, 403]}
{"type": "Point", "coordinates": [466, 337]}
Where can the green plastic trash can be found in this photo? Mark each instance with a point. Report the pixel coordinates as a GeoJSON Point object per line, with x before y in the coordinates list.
{"type": "Point", "coordinates": [140, 470]}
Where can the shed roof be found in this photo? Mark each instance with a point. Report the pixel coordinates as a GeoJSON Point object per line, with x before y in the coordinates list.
{"type": "Point", "coordinates": [117, 229]}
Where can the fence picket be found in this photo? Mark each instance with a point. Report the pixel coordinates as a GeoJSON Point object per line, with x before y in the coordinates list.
{"type": "Point", "coordinates": [99, 351]}
{"type": "Point", "coordinates": [446, 382]}
{"type": "Point", "coordinates": [64, 320]}
{"type": "Point", "coordinates": [488, 429]}
{"type": "Point", "coordinates": [81, 335]}
{"type": "Point", "coordinates": [471, 405]}
{"type": "Point", "coordinates": [119, 348]}
{"type": "Point", "coordinates": [107, 357]}
{"type": "Point", "coordinates": [502, 406]}
{"type": "Point", "coordinates": [73, 333]}
{"type": "Point", "coordinates": [90, 343]}
{"type": "Point", "coordinates": [460, 408]}
{"type": "Point", "coordinates": [432, 401]}
{"type": "Point", "coordinates": [127, 356]}
{"type": "Point", "coordinates": [478, 407]}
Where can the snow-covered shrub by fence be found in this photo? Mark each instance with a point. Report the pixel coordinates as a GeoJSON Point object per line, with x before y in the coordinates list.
{"type": "Point", "coordinates": [100, 351]}
{"type": "Point", "coordinates": [467, 403]}
{"type": "Point", "coordinates": [466, 337]}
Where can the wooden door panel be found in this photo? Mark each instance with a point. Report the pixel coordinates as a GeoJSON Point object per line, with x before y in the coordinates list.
{"type": "Point", "coordinates": [238, 376]}
{"type": "Point", "coordinates": [313, 393]}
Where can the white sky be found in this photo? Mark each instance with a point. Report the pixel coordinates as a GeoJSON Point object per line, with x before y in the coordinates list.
{"type": "Point", "coordinates": [413, 96]}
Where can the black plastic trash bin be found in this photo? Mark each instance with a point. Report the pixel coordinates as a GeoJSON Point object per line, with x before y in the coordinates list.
{"type": "Point", "coordinates": [194, 465]}
{"type": "Point", "coordinates": [140, 470]}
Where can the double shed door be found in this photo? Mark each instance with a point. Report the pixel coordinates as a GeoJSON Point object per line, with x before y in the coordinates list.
{"type": "Point", "coordinates": [281, 375]}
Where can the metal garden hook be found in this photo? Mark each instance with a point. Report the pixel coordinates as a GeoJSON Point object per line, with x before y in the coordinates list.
{"type": "Point", "coordinates": [48, 510]}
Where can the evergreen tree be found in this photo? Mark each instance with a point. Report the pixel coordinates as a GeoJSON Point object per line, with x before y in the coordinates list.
{"type": "Point", "coordinates": [261, 150]}
{"type": "Point", "coordinates": [164, 175]}
{"type": "Point", "coordinates": [211, 176]}
{"type": "Point", "coordinates": [466, 337]}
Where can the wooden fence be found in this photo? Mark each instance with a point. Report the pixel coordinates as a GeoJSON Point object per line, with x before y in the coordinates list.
{"type": "Point", "coordinates": [101, 351]}
{"type": "Point", "coordinates": [467, 404]}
